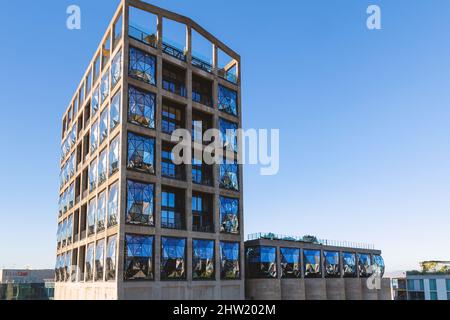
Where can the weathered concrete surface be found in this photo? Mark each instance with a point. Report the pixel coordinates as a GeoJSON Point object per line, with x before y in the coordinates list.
{"type": "Point", "coordinates": [263, 289]}
{"type": "Point", "coordinates": [315, 289]}
{"type": "Point", "coordinates": [293, 289]}
{"type": "Point", "coordinates": [385, 293]}
{"type": "Point", "coordinates": [335, 289]}
{"type": "Point", "coordinates": [353, 289]}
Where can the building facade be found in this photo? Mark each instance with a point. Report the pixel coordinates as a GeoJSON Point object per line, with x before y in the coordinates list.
{"type": "Point", "coordinates": [288, 268]}
{"type": "Point", "coordinates": [132, 223]}
{"type": "Point", "coordinates": [432, 282]}
{"type": "Point", "coordinates": [26, 284]}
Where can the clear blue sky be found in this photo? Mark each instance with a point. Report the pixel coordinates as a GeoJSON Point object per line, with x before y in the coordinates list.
{"type": "Point", "coordinates": [364, 118]}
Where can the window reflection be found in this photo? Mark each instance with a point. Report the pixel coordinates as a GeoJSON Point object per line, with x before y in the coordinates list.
{"type": "Point", "coordinates": [228, 100]}
{"type": "Point", "coordinates": [229, 261]}
{"type": "Point", "coordinates": [261, 262]}
{"type": "Point", "coordinates": [229, 215]}
{"type": "Point", "coordinates": [138, 257]}
{"type": "Point", "coordinates": [331, 264]}
{"type": "Point", "coordinates": [349, 263]}
{"type": "Point", "coordinates": [229, 176]}
{"type": "Point", "coordinates": [290, 263]}
{"type": "Point", "coordinates": [111, 248]}
{"type": "Point", "coordinates": [364, 265]}
{"type": "Point", "coordinates": [173, 258]}
{"type": "Point", "coordinates": [142, 66]}
{"type": "Point", "coordinates": [141, 153]}
{"type": "Point", "coordinates": [312, 263]}
{"type": "Point", "coordinates": [140, 203]}
{"type": "Point", "coordinates": [203, 259]}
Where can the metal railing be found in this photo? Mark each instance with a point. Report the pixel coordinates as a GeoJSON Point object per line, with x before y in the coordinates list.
{"type": "Point", "coordinates": [141, 36]}
{"type": "Point", "coordinates": [173, 51]}
{"type": "Point", "coordinates": [227, 76]}
{"type": "Point", "coordinates": [311, 239]}
{"type": "Point", "coordinates": [201, 64]}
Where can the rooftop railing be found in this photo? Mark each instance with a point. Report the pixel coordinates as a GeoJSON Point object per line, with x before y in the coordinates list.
{"type": "Point", "coordinates": [173, 51]}
{"type": "Point", "coordinates": [312, 240]}
{"type": "Point", "coordinates": [141, 36]}
{"type": "Point", "coordinates": [201, 64]}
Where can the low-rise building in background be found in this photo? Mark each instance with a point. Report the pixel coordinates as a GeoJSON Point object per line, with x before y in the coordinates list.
{"type": "Point", "coordinates": [291, 268]}
{"type": "Point", "coordinates": [27, 284]}
{"type": "Point", "coordinates": [432, 282]}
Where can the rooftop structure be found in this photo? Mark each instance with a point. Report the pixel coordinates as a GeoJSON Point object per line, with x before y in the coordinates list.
{"type": "Point", "coordinates": [305, 268]}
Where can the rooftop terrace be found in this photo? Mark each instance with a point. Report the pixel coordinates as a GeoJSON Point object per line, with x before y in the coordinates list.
{"type": "Point", "coordinates": [310, 239]}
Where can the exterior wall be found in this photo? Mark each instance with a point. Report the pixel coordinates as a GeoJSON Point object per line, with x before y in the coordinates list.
{"type": "Point", "coordinates": [292, 289]}
{"type": "Point", "coordinates": [385, 293]}
{"type": "Point", "coordinates": [335, 289]}
{"type": "Point", "coordinates": [86, 291]}
{"type": "Point", "coordinates": [315, 289]}
{"type": "Point", "coordinates": [263, 289]}
{"type": "Point", "coordinates": [353, 289]}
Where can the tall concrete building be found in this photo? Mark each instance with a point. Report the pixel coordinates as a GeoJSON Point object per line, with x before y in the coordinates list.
{"type": "Point", "coordinates": [133, 224]}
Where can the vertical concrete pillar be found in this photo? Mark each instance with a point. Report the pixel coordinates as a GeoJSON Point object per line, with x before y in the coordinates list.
{"type": "Point", "coordinates": [335, 289]}
{"type": "Point", "coordinates": [353, 290]}
{"type": "Point", "coordinates": [315, 289]}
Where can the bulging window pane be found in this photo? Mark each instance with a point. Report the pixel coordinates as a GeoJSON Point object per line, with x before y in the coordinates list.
{"type": "Point", "coordinates": [113, 205]}
{"type": "Point", "coordinates": [140, 203]}
{"type": "Point", "coordinates": [141, 108]}
{"type": "Point", "coordinates": [290, 263]}
{"type": "Point", "coordinates": [228, 131]}
{"type": "Point", "coordinates": [102, 167]}
{"type": "Point", "coordinates": [141, 153]}
{"type": "Point", "coordinates": [111, 258]}
{"type": "Point", "coordinates": [229, 215]}
{"type": "Point", "coordinates": [379, 262]}
{"type": "Point", "coordinates": [91, 213]}
{"type": "Point", "coordinates": [229, 176]}
{"type": "Point", "coordinates": [116, 69]}
{"type": "Point", "coordinates": [93, 175]}
{"type": "Point", "coordinates": [228, 100]}
{"type": "Point", "coordinates": [103, 126]}
{"type": "Point", "coordinates": [203, 260]}
{"type": "Point", "coordinates": [364, 265]}
{"type": "Point", "coordinates": [261, 262]}
{"type": "Point", "coordinates": [89, 263]}
{"type": "Point", "coordinates": [105, 87]}
{"type": "Point", "coordinates": [138, 257]}
{"type": "Point", "coordinates": [311, 260]}
{"type": "Point", "coordinates": [331, 264]}
{"type": "Point", "coordinates": [94, 137]}
{"type": "Point", "coordinates": [349, 262]}
{"type": "Point", "coordinates": [142, 66]}
{"type": "Point", "coordinates": [229, 261]}
{"type": "Point", "coordinates": [95, 104]}
{"type": "Point", "coordinates": [114, 157]}
{"type": "Point", "coordinates": [173, 259]}
{"type": "Point", "coordinates": [114, 111]}
{"type": "Point", "coordinates": [101, 211]}
{"type": "Point", "coordinates": [99, 260]}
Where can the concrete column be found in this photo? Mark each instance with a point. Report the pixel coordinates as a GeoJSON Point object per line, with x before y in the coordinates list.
{"type": "Point", "coordinates": [335, 289]}
{"type": "Point", "coordinates": [353, 290]}
{"type": "Point", "coordinates": [315, 289]}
